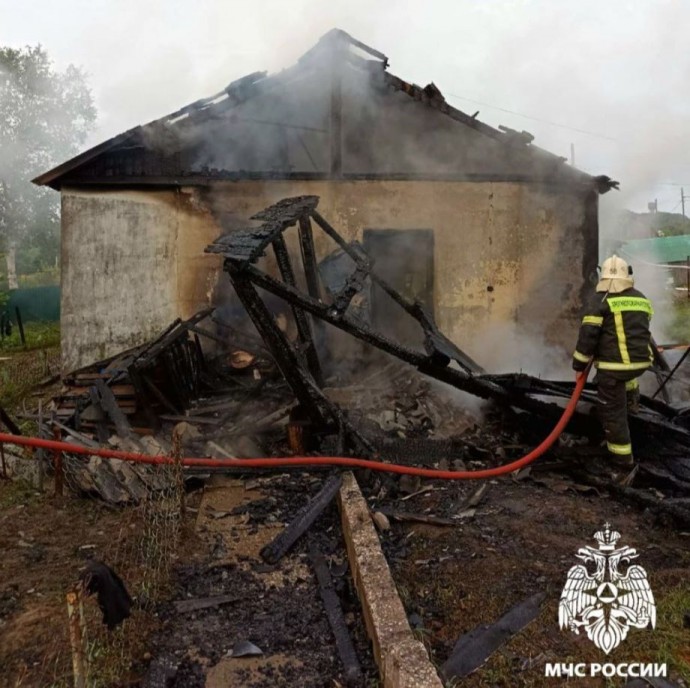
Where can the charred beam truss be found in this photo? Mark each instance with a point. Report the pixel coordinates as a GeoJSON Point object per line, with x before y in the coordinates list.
{"type": "Point", "coordinates": [440, 359]}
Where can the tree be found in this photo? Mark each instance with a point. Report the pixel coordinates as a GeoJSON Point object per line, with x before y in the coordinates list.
{"type": "Point", "coordinates": [45, 116]}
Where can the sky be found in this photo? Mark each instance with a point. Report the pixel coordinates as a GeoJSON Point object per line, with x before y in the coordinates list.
{"type": "Point", "coordinates": [607, 77]}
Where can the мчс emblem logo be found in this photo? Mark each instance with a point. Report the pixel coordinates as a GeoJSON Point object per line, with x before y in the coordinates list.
{"type": "Point", "coordinates": [607, 603]}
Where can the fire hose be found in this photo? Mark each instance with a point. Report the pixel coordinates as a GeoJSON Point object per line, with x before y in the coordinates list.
{"type": "Point", "coordinates": [285, 462]}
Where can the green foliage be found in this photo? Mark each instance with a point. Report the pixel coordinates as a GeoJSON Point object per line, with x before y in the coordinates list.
{"type": "Point", "coordinates": [631, 225]}
{"type": "Point", "coordinates": [45, 116]}
{"type": "Point", "coordinates": [670, 224]}
{"type": "Point", "coordinates": [47, 277]}
{"type": "Point", "coordinates": [678, 332]}
{"type": "Point", "coordinates": [20, 370]}
{"type": "Point", "coordinates": [39, 335]}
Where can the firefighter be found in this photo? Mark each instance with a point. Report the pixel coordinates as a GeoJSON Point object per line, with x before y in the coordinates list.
{"type": "Point", "coordinates": [615, 333]}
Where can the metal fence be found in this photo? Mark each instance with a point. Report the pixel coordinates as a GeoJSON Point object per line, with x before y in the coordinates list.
{"type": "Point", "coordinates": [35, 303]}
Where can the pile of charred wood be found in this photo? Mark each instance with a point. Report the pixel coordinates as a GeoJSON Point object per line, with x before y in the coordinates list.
{"type": "Point", "coordinates": [231, 383]}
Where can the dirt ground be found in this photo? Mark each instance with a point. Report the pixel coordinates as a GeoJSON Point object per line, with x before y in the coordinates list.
{"type": "Point", "coordinates": [522, 540]}
{"type": "Point", "coordinates": [46, 541]}
{"type": "Point", "coordinates": [277, 607]}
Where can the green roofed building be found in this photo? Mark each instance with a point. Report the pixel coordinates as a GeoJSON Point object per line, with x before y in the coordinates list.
{"type": "Point", "coordinates": [669, 250]}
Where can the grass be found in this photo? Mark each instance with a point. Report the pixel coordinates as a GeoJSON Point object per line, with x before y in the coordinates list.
{"type": "Point", "coordinates": [668, 642]}
{"type": "Point", "coordinates": [17, 492]}
{"type": "Point", "coordinates": [22, 369]}
{"type": "Point", "coordinates": [38, 335]}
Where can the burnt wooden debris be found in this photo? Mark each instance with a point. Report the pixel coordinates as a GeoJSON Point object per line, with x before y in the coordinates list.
{"type": "Point", "coordinates": [162, 376]}
{"type": "Point", "coordinates": [8, 422]}
{"type": "Point", "coordinates": [275, 550]}
{"type": "Point", "coordinates": [657, 422]}
{"type": "Point", "coordinates": [336, 619]}
{"type": "Point", "coordinates": [195, 605]}
{"type": "Point", "coordinates": [474, 648]}
{"type": "Point", "coordinates": [126, 399]}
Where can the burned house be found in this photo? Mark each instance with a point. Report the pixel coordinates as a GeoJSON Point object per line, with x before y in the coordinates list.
{"type": "Point", "coordinates": [476, 223]}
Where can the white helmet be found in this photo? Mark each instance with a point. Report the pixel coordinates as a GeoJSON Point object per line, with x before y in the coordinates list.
{"type": "Point", "coordinates": [615, 276]}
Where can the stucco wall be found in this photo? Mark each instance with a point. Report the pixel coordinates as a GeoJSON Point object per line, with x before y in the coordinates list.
{"type": "Point", "coordinates": [508, 257]}
{"type": "Point", "coordinates": [132, 261]}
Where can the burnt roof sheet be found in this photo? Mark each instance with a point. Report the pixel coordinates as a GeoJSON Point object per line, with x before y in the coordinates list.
{"type": "Point", "coordinates": [180, 125]}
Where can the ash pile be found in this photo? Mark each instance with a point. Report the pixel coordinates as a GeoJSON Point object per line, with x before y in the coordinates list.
{"type": "Point", "coordinates": [293, 366]}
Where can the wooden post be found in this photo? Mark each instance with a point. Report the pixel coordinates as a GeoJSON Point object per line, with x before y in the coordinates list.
{"type": "Point", "coordinates": [295, 432]}
{"type": "Point", "coordinates": [2, 457]}
{"type": "Point", "coordinates": [77, 636]}
{"type": "Point", "coordinates": [179, 474]}
{"type": "Point", "coordinates": [39, 452]}
{"type": "Point", "coordinates": [301, 319]}
{"type": "Point", "coordinates": [688, 276]}
{"type": "Point", "coordinates": [20, 325]}
{"type": "Point", "coordinates": [57, 465]}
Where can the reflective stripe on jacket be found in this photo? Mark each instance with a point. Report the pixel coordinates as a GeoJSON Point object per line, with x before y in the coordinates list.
{"type": "Point", "coordinates": [615, 332]}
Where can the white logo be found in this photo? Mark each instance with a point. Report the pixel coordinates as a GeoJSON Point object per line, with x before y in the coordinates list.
{"type": "Point", "coordinates": [607, 603]}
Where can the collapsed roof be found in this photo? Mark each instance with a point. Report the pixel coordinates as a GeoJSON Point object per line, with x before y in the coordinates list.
{"type": "Point", "coordinates": [337, 113]}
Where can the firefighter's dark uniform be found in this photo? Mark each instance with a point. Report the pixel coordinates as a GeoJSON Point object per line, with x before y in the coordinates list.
{"type": "Point", "coordinates": [615, 332]}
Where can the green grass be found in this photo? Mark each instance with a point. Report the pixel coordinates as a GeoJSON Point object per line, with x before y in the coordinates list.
{"type": "Point", "coordinates": [38, 335]}
{"type": "Point", "coordinates": [16, 492]}
{"type": "Point", "coordinates": [668, 642]}
{"type": "Point", "coordinates": [22, 369]}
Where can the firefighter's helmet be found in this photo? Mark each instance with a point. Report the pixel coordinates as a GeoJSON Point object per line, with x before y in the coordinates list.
{"type": "Point", "coordinates": [616, 275]}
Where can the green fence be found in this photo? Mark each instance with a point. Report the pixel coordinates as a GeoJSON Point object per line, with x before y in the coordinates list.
{"type": "Point", "coordinates": [35, 303]}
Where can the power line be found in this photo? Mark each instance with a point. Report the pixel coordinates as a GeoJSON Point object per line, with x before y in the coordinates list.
{"type": "Point", "coordinates": [536, 119]}
{"type": "Point", "coordinates": [561, 126]}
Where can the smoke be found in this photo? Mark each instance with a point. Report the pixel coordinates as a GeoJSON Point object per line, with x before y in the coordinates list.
{"type": "Point", "coordinates": [501, 349]}
{"type": "Point", "coordinates": [616, 69]}
{"type": "Point", "coordinates": [610, 75]}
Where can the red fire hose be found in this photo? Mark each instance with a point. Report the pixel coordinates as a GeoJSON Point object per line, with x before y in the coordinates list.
{"type": "Point", "coordinates": [57, 446]}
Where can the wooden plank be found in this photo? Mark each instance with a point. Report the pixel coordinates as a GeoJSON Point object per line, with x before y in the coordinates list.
{"type": "Point", "coordinates": [306, 516]}
{"type": "Point", "coordinates": [118, 390]}
{"type": "Point", "coordinates": [401, 658]}
{"type": "Point", "coordinates": [99, 416]}
{"type": "Point", "coordinates": [143, 398]}
{"type": "Point", "coordinates": [475, 647]}
{"type": "Point", "coordinates": [336, 618]}
{"type": "Point", "coordinates": [129, 405]}
{"type": "Point", "coordinates": [201, 410]}
{"type": "Point", "coordinates": [410, 517]}
{"type": "Point", "coordinates": [301, 318]}
{"type": "Point", "coordinates": [194, 420]}
{"type": "Point", "coordinates": [74, 435]}
{"type": "Point", "coordinates": [186, 606]}
{"type": "Point", "coordinates": [311, 272]}
{"type": "Point", "coordinates": [9, 423]}
{"type": "Point", "coordinates": [87, 377]}
{"type": "Point", "coordinates": [115, 413]}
